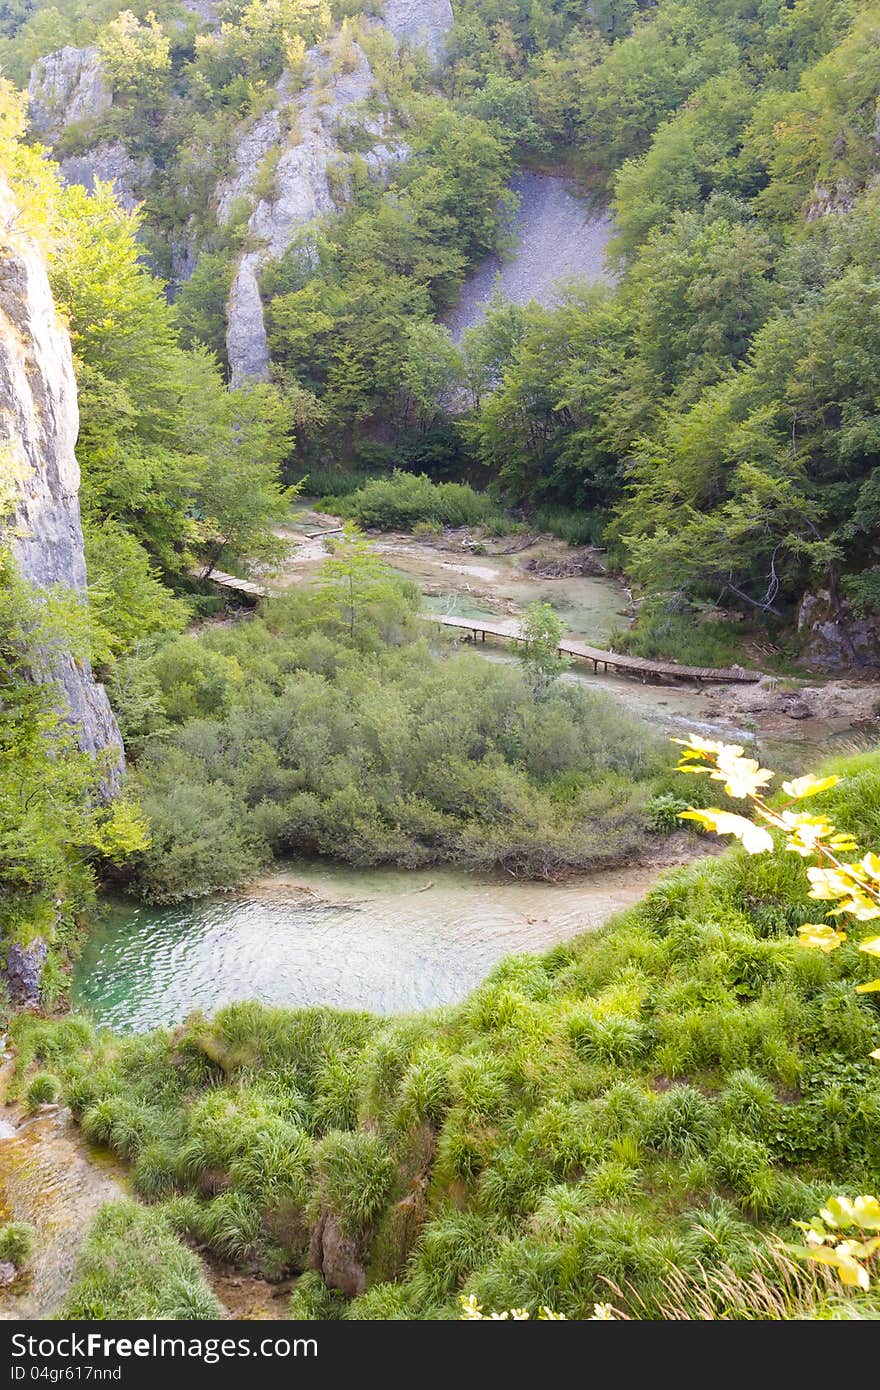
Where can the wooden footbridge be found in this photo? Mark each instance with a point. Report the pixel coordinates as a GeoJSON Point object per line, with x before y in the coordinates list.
{"type": "Point", "coordinates": [477, 629]}
{"type": "Point", "coordinates": [230, 582]}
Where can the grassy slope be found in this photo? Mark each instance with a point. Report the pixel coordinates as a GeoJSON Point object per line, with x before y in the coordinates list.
{"type": "Point", "coordinates": [666, 1089]}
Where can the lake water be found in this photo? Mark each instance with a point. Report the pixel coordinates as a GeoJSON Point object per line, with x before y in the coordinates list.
{"type": "Point", "coordinates": [388, 940]}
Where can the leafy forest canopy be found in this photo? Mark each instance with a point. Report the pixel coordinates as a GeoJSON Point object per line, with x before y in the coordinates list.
{"type": "Point", "coordinates": [702, 410]}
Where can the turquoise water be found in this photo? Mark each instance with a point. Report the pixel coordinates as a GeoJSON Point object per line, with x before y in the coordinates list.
{"type": "Point", "coordinates": [388, 940]}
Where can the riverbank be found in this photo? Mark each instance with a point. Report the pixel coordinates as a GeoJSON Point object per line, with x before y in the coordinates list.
{"type": "Point", "coordinates": [643, 1099]}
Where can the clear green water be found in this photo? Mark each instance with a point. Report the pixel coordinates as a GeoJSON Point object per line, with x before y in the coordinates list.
{"type": "Point", "coordinates": [391, 941]}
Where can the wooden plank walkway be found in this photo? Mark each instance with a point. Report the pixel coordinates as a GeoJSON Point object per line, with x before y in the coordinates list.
{"type": "Point", "coordinates": [639, 666]}
{"type": "Point", "coordinates": [230, 581]}
{"type": "Point", "coordinates": [479, 629]}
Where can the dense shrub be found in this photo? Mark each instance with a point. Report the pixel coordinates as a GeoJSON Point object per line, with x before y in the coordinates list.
{"type": "Point", "coordinates": [288, 735]}
{"type": "Point", "coordinates": [401, 500]}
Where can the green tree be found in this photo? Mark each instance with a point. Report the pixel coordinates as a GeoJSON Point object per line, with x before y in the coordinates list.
{"type": "Point", "coordinates": [432, 370]}
{"type": "Point", "coordinates": [136, 55]}
{"type": "Point", "coordinates": [542, 631]}
{"type": "Point", "coordinates": [357, 585]}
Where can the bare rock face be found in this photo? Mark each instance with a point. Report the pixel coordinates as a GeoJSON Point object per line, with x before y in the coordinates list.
{"type": "Point", "coordinates": [24, 971]}
{"type": "Point", "coordinates": [340, 1259]}
{"type": "Point", "coordinates": [66, 87]}
{"type": "Point", "coordinates": [110, 162]}
{"type": "Point", "coordinates": [70, 86]}
{"type": "Point", "coordinates": [826, 643]}
{"type": "Point", "coordinates": [305, 131]}
{"type": "Point", "coordinates": [39, 421]}
{"type": "Point", "coordinates": [420, 24]}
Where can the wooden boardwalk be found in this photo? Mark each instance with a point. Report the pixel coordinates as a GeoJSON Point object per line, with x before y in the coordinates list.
{"type": "Point", "coordinates": [231, 581]}
{"type": "Point", "coordinates": [478, 630]}
{"type": "Point", "coordinates": [637, 666]}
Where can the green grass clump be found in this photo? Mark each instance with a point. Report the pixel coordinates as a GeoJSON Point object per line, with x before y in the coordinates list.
{"type": "Point", "coordinates": [17, 1242]}
{"type": "Point", "coordinates": [42, 1089]}
{"type": "Point", "coordinates": [312, 1301]}
{"type": "Point", "coordinates": [569, 524]}
{"type": "Point", "coordinates": [133, 1266]}
{"type": "Point", "coordinates": [354, 1178]}
{"type": "Point", "coordinates": [664, 633]}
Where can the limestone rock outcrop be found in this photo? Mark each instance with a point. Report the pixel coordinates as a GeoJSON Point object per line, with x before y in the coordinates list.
{"type": "Point", "coordinates": [39, 421]}
{"type": "Point", "coordinates": [110, 162]}
{"type": "Point", "coordinates": [65, 87]}
{"type": "Point", "coordinates": [832, 645]}
{"type": "Point", "coordinates": [305, 131]}
{"type": "Point", "coordinates": [420, 24]}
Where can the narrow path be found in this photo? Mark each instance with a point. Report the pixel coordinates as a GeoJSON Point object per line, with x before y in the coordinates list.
{"type": "Point", "coordinates": [614, 661]}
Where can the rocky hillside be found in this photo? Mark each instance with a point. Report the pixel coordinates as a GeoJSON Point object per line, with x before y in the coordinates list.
{"type": "Point", "coordinates": [282, 169]}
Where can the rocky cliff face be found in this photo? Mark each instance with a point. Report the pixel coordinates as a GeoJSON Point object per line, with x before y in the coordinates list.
{"type": "Point", "coordinates": [306, 132]}
{"type": "Point", "coordinates": [830, 645]}
{"type": "Point", "coordinates": [66, 87]}
{"type": "Point", "coordinates": [39, 421]}
{"type": "Point", "coordinates": [420, 24]}
{"type": "Point", "coordinates": [303, 132]}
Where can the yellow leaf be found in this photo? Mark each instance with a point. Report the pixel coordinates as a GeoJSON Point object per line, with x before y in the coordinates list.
{"type": "Point", "coordinates": [742, 777]}
{"type": "Point", "coordinates": [809, 785]}
{"type": "Point", "coordinates": [866, 1211]}
{"type": "Point", "coordinates": [754, 838]}
{"type": "Point", "coordinates": [698, 747]}
{"type": "Point", "coordinates": [828, 883]}
{"type": "Point", "coordinates": [838, 1212]}
{"type": "Point", "coordinates": [871, 864]}
{"type": "Point", "coordinates": [850, 1271]}
{"type": "Point", "coordinates": [820, 937]}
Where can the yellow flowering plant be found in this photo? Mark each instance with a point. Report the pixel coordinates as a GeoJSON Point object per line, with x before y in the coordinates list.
{"type": "Point", "coordinates": [846, 1233]}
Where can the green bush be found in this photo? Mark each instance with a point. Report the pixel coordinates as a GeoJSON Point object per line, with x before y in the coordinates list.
{"type": "Point", "coordinates": [299, 757]}
{"type": "Point", "coordinates": [569, 524]}
{"type": "Point", "coordinates": [42, 1089]}
{"type": "Point", "coordinates": [400, 501]}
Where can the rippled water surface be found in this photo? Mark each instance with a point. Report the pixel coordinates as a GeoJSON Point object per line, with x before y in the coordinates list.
{"type": "Point", "coordinates": [386, 940]}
